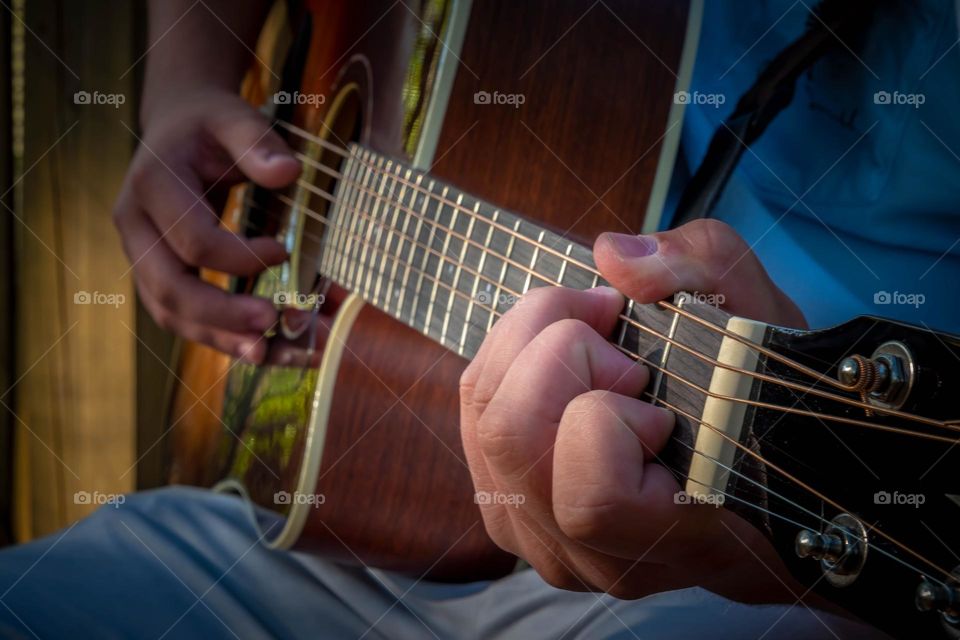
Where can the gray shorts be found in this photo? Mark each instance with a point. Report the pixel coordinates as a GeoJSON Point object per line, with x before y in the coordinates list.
{"type": "Point", "coordinates": [185, 563]}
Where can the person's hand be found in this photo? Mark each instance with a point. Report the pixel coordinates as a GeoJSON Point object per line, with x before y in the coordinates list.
{"type": "Point", "coordinates": [197, 143]}
{"type": "Point", "coordinates": [564, 452]}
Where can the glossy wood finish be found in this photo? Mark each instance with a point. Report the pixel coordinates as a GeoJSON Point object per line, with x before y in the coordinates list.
{"type": "Point", "coordinates": [397, 492]}
{"type": "Point", "coordinates": [599, 101]}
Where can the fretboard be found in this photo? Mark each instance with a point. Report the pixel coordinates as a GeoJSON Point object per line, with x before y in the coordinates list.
{"type": "Point", "coordinates": [449, 265]}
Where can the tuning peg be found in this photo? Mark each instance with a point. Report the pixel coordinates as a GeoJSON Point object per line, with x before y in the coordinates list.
{"type": "Point", "coordinates": [841, 549]}
{"type": "Point", "coordinates": [938, 597]}
{"type": "Point", "coordinates": [885, 379]}
{"type": "Point", "coordinates": [819, 546]}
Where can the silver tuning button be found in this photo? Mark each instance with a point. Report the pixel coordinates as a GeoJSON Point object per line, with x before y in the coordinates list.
{"type": "Point", "coordinates": [944, 598]}
{"type": "Point", "coordinates": [841, 549]}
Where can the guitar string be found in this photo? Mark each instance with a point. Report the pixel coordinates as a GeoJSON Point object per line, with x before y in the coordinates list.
{"type": "Point", "coordinates": [803, 485]}
{"type": "Point", "coordinates": [820, 519]}
{"type": "Point", "coordinates": [382, 266]}
{"type": "Point", "coordinates": [789, 362]}
{"type": "Point", "coordinates": [950, 424]}
{"type": "Point", "coordinates": [705, 358]}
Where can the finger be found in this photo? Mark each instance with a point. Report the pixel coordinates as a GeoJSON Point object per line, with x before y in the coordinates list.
{"type": "Point", "coordinates": [254, 145]}
{"type": "Point", "coordinates": [703, 256]}
{"type": "Point", "coordinates": [517, 430]}
{"type": "Point", "coordinates": [607, 498]}
{"type": "Point", "coordinates": [538, 309]}
{"type": "Point", "coordinates": [179, 293]}
{"type": "Point", "coordinates": [516, 329]}
{"type": "Point", "coordinates": [248, 347]}
{"type": "Point", "coordinates": [176, 205]}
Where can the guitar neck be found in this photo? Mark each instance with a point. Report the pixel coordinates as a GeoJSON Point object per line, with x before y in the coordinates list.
{"type": "Point", "coordinates": [446, 263]}
{"type": "Point", "coordinates": [449, 265]}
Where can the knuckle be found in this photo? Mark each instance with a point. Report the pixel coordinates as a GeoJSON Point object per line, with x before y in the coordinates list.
{"type": "Point", "coordinates": [194, 249]}
{"type": "Point", "coordinates": [496, 433]}
{"type": "Point", "coordinates": [563, 334]}
{"type": "Point", "coordinates": [164, 319]}
{"type": "Point", "coordinates": [716, 242]}
{"type": "Point", "coordinates": [586, 404]}
{"type": "Point", "coordinates": [168, 297]}
{"type": "Point", "coordinates": [595, 511]}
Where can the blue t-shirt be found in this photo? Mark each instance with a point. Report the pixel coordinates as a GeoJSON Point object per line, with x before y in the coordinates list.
{"type": "Point", "coordinates": [851, 198]}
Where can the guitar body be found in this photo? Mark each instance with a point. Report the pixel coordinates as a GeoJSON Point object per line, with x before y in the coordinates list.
{"type": "Point", "coordinates": [372, 425]}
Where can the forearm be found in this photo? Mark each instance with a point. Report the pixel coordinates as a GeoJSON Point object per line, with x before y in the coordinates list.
{"type": "Point", "coordinates": [206, 46]}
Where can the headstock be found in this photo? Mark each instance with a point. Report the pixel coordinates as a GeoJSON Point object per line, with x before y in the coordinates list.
{"type": "Point", "coordinates": [856, 482]}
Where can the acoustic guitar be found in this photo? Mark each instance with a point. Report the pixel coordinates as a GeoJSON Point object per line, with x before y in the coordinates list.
{"type": "Point", "coordinates": [457, 154]}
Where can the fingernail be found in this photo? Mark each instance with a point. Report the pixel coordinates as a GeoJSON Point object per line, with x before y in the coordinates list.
{"type": "Point", "coordinates": [633, 246]}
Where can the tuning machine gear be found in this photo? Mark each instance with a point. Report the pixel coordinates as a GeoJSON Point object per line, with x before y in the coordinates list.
{"type": "Point", "coordinates": [885, 379]}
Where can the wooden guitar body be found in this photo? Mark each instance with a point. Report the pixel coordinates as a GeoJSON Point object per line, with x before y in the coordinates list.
{"type": "Point", "coordinates": [562, 111]}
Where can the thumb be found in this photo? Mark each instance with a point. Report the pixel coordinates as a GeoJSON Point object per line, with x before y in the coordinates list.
{"type": "Point", "coordinates": [704, 257]}
{"type": "Point", "coordinates": [253, 144]}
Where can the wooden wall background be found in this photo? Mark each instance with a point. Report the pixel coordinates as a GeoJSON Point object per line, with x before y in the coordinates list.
{"type": "Point", "coordinates": [76, 364]}
{"type": "Point", "coordinates": [6, 277]}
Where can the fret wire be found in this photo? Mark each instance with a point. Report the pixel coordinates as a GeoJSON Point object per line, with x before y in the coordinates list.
{"type": "Point", "coordinates": [390, 295]}
{"type": "Point", "coordinates": [359, 204]}
{"type": "Point", "coordinates": [380, 226]}
{"type": "Point", "coordinates": [443, 252]}
{"type": "Point", "coordinates": [476, 278]}
{"type": "Point", "coordinates": [423, 266]}
{"type": "Point", "coordinates": [503, 272]}
{"type": "Point", "coordinates": [353, 196]}
{"type": "Point", "coordinates": [458, 267]}
{"type": "Point", "coordinates": [432, 279]}
{"type": "Point", "coordinates": [533, 262]}
{"type": "Point", "coordinates": [416, 232]}
{"type": "Point", "coordinates": [370, 223]}
{"type": "Point", "coordinates": [576, 262]}
{"type": "Point", "coordinates": [513, 233]}
{"type": "Point", "coordinates": [563, 264]}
